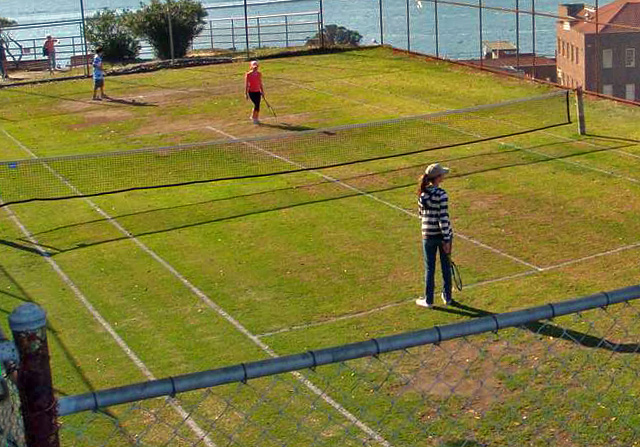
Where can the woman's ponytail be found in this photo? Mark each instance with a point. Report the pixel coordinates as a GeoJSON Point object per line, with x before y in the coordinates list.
{"type": "Point", "coordinates": [425, 182]}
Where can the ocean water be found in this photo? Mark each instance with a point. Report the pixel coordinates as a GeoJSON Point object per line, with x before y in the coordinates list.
{"type": "Point", "coordinates": [459, 31]}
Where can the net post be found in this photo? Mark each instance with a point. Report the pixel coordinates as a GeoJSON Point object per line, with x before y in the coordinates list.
{"type": "Point", "coordinates": [28, 324]}
{"type": "Point", "coordinates": [582, 127]}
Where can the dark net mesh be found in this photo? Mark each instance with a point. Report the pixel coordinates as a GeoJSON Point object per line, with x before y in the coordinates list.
{"type": "Point", "coordinates": [106, 173]}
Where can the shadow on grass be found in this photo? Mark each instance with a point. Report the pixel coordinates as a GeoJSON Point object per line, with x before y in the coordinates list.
{"type": "Point", "coordinates": [286, 126]}
{"type": "Point", "coordinates": [610, 138]}
{"type": "Point", "coordinates": [160, 218]}
{"type": "Point", "coordinates": [23, 247]}
{"type": "Point", "coordinates": [462, 443]}
{"type": "Point", "coordinates": [23, 295]}
{"type": "Point", "coordinates": [129, 102]}
{"type": "Point", "coordinates": [549, 330]}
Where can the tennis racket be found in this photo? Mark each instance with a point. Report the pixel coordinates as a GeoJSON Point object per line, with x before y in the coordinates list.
{"type": "Point", "coordinates": [455, 273]}
{"type": "Point", "coordinates": [269, 106]}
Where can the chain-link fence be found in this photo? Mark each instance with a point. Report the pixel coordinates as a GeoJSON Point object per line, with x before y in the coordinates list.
{"type": "Point", "coordinates": [236, 26]}
{"type": "Point", "coordinates": [11, 426]}
{"type": "Point", "coordinates": [561, 374]}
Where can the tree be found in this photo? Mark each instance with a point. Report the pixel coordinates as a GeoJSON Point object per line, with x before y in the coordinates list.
{"type": "Point", "coordinates": [109, 30]}
{"type": "Point", "coordinates": [4, 22]}
{"type": "Point", "coordinates": [336, 35]}
{"type": "Point", "coordinates": [187, 21]}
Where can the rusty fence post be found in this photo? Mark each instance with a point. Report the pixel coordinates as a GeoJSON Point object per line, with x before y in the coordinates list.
{"type": "Point", "coordinates": [39, 410]}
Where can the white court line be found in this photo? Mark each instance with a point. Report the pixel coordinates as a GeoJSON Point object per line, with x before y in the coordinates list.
{"type": "Point", "coordinates": [589, 143]}
{"type": "Point", "coordinates": [561, 137]}
{"type": "Point", "coordinates": [211, 304]}
{"type": "Point", "coordinates": [373, 197]}
{"type": "Point", "coordinates": [470, 286]}
{"type": "Point", "coordinates": [602, 171]}
{"type": "Point", "coordinates": [594, 256]}
{"type": "Point", "coordinates": [385, 307]}
{"type": "Point", "coordinates": [628, 154]}
{"type": "Point", "coordinates": [184, 415]}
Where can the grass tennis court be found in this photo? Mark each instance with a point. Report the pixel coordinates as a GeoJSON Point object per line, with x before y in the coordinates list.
{"type": "Point", "coordinates": [298, 260]}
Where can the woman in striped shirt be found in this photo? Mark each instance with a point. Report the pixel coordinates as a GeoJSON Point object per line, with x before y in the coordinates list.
{"type": "Point", "coordinates": [437, 233]}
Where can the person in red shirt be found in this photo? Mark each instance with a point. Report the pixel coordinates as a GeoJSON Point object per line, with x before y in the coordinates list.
{"type": "Point", "coordinates": [49, 50]}
{"type": "Point", "coordinates": [254, 90]}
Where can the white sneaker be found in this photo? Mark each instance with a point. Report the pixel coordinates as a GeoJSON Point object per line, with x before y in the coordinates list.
{"type": "Point", "coordinates": [422, 302]}
{"type": "Point", "coordinates": [445, 300]}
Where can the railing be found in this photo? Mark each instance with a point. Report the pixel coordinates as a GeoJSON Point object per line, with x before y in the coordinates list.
{"type": "Point", "coordinates": [538, 375]}
{"type": "Point", "coordinates": [272, 30]}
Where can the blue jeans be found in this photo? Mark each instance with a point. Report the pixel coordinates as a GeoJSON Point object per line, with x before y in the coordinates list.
{"type": "Point", "coordinates": [431, 246]}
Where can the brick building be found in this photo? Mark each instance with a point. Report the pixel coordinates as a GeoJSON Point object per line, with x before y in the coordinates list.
{"type": "Point", "coordinates": [604, 59]}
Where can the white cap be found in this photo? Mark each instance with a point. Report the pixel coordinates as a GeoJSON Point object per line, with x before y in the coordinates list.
{"type": "Point", "coordinates": [436, 170]}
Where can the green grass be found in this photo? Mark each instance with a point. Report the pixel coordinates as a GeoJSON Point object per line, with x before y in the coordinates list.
{"type": "Point", "coordinates": [308, 263]}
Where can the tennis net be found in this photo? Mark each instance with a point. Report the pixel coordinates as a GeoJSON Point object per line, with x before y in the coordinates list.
{"type": "Point", "coordinates": [87, 175]}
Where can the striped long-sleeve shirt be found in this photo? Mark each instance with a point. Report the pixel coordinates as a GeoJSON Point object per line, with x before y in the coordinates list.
{"type": "Point", "coordinates": [434, 213]}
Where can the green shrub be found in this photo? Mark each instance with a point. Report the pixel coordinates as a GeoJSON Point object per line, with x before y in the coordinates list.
{"type": "Point", "coordinates": [109, 29]}
{"type": "Point", "coordinates": [150, 23]}
{"type": "Point", "coordinates": [336, 35]}
{"type": "Point", "coordinates": [4, 22]}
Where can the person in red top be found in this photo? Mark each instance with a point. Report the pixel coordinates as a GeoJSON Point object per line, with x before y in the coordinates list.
{"type": "Point", "coordinates": [254, 90]}
{"type": "Point", "coordinates": [49, 50]}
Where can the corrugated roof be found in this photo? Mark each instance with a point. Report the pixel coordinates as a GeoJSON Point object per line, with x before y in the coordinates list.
{"type": "Point", "coordinates": [620, 12]}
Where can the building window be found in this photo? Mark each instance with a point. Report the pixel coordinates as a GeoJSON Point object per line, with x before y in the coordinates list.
{"type": "Point", "coordinates": [564, 48]}
{"type": "Point", "coordinates": [630, 57]}
{"type": "Point", "coordinates": [630, 92]}
{"type": "Point", "coordinates": [607, 58]}
{"type": "Point", "coordinates": [607, 89]}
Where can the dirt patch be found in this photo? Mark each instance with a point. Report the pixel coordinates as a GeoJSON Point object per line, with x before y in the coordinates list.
{"type": "Point", "coordinates": [76, 105]}
{"type": "Point", "coordinates": [102, 116]}
{"type": "Point", "coordinates": [463, 370]}
{"type": "Point", "coordinates": [168, 125]}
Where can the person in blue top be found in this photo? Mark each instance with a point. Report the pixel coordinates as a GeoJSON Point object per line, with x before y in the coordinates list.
{"type": "Point", "coordinates": [98, 75]}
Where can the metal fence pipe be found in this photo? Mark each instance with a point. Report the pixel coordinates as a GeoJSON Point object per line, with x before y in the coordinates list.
{"type": "Point", "coordinates": [259, 36]}
{"type": "Point", "coordinates": [286, 31]}
{"type": "Point", "coordinates": [321, 23]}
{"type": "Point", "coordinates": [243, 372]}
{"type": "Point", "coordinates": [533, 36]}
{"type": "Point", "coordinates": [436, 30]}
{"type": "Point", "coordinates": [408, 27]}
{"type": "Point", "coordinates": [517, 34]}
{"type": "Point", "coordinates": [246, 28]}
{"type": "Point", "coordinates": [480, 32]}
{"type": "Point", "coordinates": [381, 22]}
{"type": "Point", "coordinates": [211, 34]}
